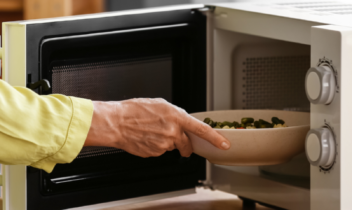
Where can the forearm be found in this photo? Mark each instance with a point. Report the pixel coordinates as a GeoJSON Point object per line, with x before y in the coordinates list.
{"type": "Point", "coordinates": [104, 129]}
{"type": "Point", "coordinates": [41, 130]}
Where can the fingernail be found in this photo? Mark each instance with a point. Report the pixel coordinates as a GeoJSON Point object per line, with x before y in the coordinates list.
{"type": "Point", "coordinates": [225, 145]}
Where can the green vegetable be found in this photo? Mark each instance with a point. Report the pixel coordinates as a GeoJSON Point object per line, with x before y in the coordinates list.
{"type": "Point", "coordinates": [257, 124]}
{"type": "Point", "coordinates": [209, 122]}
{"type": "Point", "coordinates": [276, 121]}
{"type": "Point", "coordinates": [266, 125]}
{"type": "Point", "coordinates": [242, 125]}
{"type": "Point", "coordinates": [236, 124]}
{"type": "Point", "coordinates": [226, 123]}
{"type": "Point", "coordinates": [247, 120]}
{"type": "Point", "coordinates": [261, 121]}
{"type": "Point", "coordinates": [218, 125]}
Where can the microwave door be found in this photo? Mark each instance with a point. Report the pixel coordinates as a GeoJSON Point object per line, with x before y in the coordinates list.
{"type": "Point", "coordinates": [237, 42]}
{"type": "Point", "coordinates": [311, 45]}
{"type": "Point", "coordinates": [111, 56]}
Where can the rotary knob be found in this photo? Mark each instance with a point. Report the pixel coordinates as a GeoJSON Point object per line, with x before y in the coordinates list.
{"type": "Point", "coordinates": [320, 147]}
{"type": "Point", "coordinates": [320, 85]}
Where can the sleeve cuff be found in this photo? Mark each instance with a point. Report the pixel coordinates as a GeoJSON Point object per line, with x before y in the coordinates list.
{"type": "Point", "coordinates": [76, 135]}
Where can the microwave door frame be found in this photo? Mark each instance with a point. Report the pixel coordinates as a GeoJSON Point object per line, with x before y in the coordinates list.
{"type": "Point", "coordinates": [94, 35]}
{"type": "Point", "coordinates": [38, 30]}
{"type": "Point", "coordinates": [22, 38]}
{"type": "Point", "coordinates": [138, 29]}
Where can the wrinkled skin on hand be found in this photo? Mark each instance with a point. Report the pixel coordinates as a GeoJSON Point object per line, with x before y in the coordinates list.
{"type": "Point", "coordinates": [147, 128]}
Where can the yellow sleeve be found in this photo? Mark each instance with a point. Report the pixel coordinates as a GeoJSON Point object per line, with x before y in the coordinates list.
{"type": "Point", "coordinates": [41, 131]}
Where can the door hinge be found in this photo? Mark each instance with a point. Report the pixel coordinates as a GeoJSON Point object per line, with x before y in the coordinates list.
{"type": "Point", "coordinates": [207, 9]}
{"type": "Point", "coordinates": [206, 184]}
{"type": "Point", "coordinates": [45, 84]}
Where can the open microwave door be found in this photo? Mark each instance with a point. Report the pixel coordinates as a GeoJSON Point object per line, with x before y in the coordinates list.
{"type": "Point", "coordinates": [245, 39]}
{"type": "Point", "coordinates": [256, 37]}
{"type": "Point", "coordinates": [107, 57]}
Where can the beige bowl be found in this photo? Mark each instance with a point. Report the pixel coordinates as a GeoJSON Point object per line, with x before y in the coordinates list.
{"type": "Point", "coordinates": [267, 146]}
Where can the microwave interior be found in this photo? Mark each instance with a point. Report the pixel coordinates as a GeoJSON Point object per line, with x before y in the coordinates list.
{"type": "Point", "coordinates": [164, 58]}
{"type": "Point", "coordinates": [252, 72]}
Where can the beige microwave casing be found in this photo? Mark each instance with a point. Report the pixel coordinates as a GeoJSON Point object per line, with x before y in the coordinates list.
{"type": "Point", "coordinates": [243, 19]}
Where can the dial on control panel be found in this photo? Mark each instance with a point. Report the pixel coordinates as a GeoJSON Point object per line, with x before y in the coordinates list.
{"type": "Point", "coordinates": [320, 147]}
{"type": "Point", "coordinates": [320, 85]}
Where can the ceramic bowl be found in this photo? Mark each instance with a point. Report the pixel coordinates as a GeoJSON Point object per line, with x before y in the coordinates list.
{"type": "Point", "coordinates": [267, 146]}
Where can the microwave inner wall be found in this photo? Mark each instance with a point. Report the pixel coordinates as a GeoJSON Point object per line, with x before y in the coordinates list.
{"type": "Point", "coordinates": [252, 72]}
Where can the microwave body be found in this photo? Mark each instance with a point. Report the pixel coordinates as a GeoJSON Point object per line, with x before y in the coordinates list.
{"type": "Point", "coordinates": [216, 57]}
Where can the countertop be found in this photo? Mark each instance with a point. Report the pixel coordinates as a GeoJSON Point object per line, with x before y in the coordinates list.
{"type": "Point", "coordinates": [204, 199]}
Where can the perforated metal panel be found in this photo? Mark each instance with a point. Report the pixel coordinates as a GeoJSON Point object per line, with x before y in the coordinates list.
{"type": "Point", "coordinates": [322, 7]}
{"type": "Point", "coordinates": [116, 79]}
{"type": "Point", "coordinates": [275, 83]}
{"type": "Point", "coordinates": [97, 151]}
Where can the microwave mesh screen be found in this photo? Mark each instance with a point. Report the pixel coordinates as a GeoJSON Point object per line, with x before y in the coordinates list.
{"type": "Point", "coordinates": [113, 81]}
{"type": "Point", "coordinates": [275, 83]}
{"type": "Point", "coordinates": [97, 151]}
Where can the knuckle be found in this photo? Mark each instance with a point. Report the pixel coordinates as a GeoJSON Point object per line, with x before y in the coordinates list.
{"type": "Point", "coordinates": [164, 147]}
{"type": "Point", "coordinates": [158, 153]}
{"type": "Point", "coordinates": [172, 134]}
{"type": "Point", "coordinates": [185, 153]}
{"type": "Point", "coordinates": [171, 146]}
{"type": "Point", "coordinates": [182, 113]}
{"type": "Point", "coordinates": [182, 110]}
{"type": "Point", "coordinates": [144, 156]}
{"type": "Point", "coordinates": [202, 129]}
{"type": "Point", "coordinates": [160, 100]}
{"type": "Point", "coordinates": [188, 154]}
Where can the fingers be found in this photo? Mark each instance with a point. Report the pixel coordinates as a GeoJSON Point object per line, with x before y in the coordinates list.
{"type": "Point", "coordinates": [204, 131]}
{"type": "Point", "coordinates": [184, 146]}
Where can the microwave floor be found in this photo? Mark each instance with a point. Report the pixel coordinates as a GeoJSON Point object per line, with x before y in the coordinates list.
{"type": "Point", "coordinates": [204, 199]}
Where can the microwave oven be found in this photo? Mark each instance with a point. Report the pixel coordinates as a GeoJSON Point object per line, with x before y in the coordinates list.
{"type": "Point", "coordinates": [252, 55]}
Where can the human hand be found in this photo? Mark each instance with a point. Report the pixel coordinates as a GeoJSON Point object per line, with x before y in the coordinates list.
{"type": "Point", "coordinates": [148, 128]}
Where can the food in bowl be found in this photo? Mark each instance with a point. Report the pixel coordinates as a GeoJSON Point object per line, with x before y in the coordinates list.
{"type": "Point", "coordinates": [246, 123]}
{"type": "Point", "coordinates": [254, 147]}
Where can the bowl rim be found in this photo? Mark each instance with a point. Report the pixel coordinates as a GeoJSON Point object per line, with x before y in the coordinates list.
{"type": "Point", "coordinates": [263, 129]}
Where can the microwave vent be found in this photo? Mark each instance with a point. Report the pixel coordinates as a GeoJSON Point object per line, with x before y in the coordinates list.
{"type": "Point", "coordinates": [304, 3]}
{"type": "Point", "coordinates": [334, 9]}
{"type": "Point", "coordinates": [275, 83]}
{"type": "Point", "coordinates": [321, 8]}
{"type": "Point", "coordinates": [344, 13]}
{"type": "Point", "coordinates": [97, 151]}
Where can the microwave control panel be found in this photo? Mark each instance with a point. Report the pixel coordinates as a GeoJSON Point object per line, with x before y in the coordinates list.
{"type": "Point", "coordinates": [321, 147]}
{"type": "Point", "coordinates": [321, 82]}
{"type": "Point", "coordinates": [328, 143]}
{"type": "Point", "coordinates": [321, 85]}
